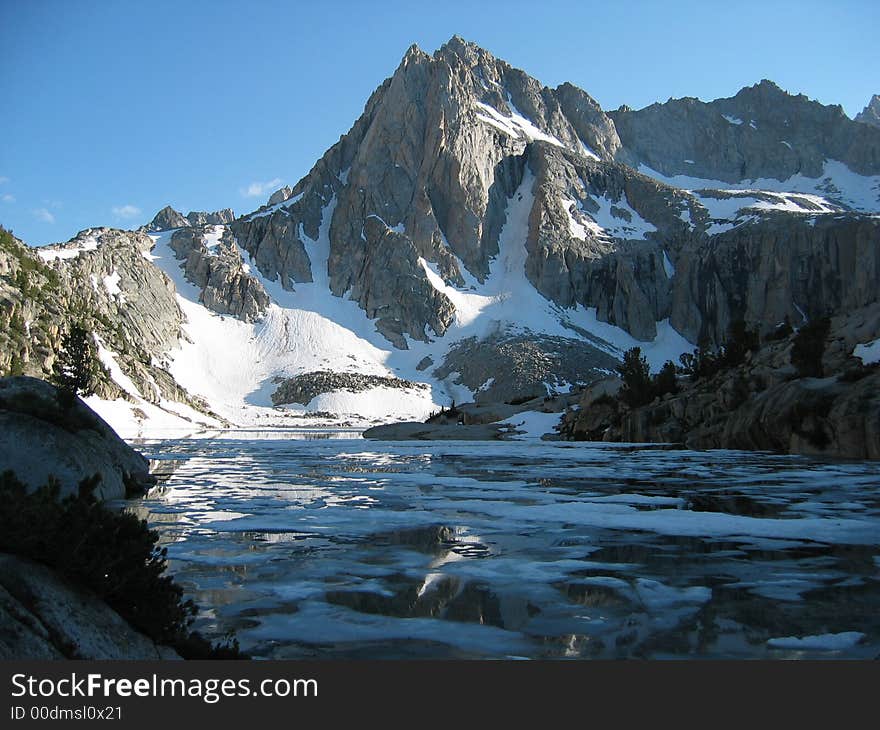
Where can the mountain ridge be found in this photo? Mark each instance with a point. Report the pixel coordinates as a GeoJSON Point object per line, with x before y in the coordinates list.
{"type": "Point", "coordinates": [496, 239]}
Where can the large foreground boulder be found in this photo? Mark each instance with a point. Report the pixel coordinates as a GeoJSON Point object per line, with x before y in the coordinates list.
{"type": "Point", "coordinates": [42, 437]}
{"type": "Point", "coordinates": [42, 616]}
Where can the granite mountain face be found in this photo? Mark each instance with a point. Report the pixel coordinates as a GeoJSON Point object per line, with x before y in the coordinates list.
{"type": "Point", "coordinates": [492, 238]}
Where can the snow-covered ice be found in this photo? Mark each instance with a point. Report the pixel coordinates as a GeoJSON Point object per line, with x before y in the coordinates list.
{"type": "Point", "coordinates": [528, 548]}
{"type": "Point", "coordinates": [822, 642]}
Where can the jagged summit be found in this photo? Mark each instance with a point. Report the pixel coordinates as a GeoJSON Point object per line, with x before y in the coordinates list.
{"type": "Point", "coordinates": [168, 218]}
{"type": "Point", "coordinates": [871, 113]}
{"type": "Point", "coordinates": [461, 46]}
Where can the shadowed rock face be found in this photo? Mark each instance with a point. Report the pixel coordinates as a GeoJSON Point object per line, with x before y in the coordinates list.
{"type": "Point", "coordinates": [759, 405]}
{"type": "Point", "coordinates": [762, 132]}
{"type": "Point", "coordinates": [40, 438]}
{"type": "Point", "coordinates": [871, 113]}
{"type": "Point", "coordinates": [779, 267]}
{"type": "Point", "coordinates": [43, 617]}
{"type": "Point", "coordinates": [504, 368]}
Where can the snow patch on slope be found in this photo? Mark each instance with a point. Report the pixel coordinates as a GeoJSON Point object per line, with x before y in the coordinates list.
{"type": "Point", "coordinates": [135, 417]}
{"type": "Point", "coordinates": [611, 219]}
{"type": "Point", "coordinates": [837, 186]}
{"type": "Point", "coordinates": [508, 300]}
{"type": "Point", "coordinates": [532, 424]}
{"type": "Point", "coordinates": [233, 364]}
{"type": "Point", "coordinates": [52, 253]}
{"type": "Point", "coordinates": [515, 125]}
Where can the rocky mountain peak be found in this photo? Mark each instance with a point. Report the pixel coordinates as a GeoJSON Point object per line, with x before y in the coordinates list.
{"type": "Point", "coordinates": [166, 219]}
{"type": "Point", "coordinates": [430, 172]}
{"type": "Point", "coordinates": [463, 48]}
{"type": "Point", "coordinates": [871, 113]}
{"type": "Point", "coordinates": [766, 86]}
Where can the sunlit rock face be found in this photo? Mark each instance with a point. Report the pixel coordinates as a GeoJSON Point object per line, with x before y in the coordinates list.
{"type": "Point", "coordinates": [432, 169]}
{"type": "Point", "coordinates": [481, 233]}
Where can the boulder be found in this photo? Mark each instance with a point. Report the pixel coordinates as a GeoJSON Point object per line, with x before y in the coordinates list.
{"type": "Point", "coordinates": [41, 438]}
{"type": "Point", "coordinates": [43, 617]}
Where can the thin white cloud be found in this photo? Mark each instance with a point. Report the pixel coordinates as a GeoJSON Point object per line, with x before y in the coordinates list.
{"type": "Point", "coordinates": [126, 211]}
{"type": "Point", "coordinates": [44, 215]}
{"type": "Point", "coordinates": [7, 198]}
{"type": "Point", "coordinates": [259, 189]}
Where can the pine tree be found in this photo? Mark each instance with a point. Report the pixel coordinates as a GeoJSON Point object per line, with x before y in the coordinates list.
{"type": "Point", "coordinates": [637, 387]}
{"type": "Point", "coordinates": [74, 369]}
{"type": "Point", "coordinates": [665, 381]}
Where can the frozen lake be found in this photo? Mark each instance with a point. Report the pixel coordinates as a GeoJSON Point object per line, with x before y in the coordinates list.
{"type": "Point", "coordinates": [336, 547]}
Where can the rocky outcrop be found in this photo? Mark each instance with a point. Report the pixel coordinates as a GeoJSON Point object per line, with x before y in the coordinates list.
{"type": "Point", "coordinates": [203, 218]}
{"type": "Point", "coordinates": [280, 195]}
{"type": "Point", "coordinates": [303, 388]}
{"type": "Point", "coordinates": [810, 416]}
{"type": "Point", "coordinates": [438, 432]}
{"type": "Point", "coordinates": [103, 280]}
{"type": "Point", "coordinates": [761, 132]}
{"type": "Point", "coordinates": [42, 617]}
{"type": "Point", "coordinates": [43, 439]}
{"type": "Point", "coordinates": [508, 367]}
{"type": "Point", "coordinates": [871, 113]}
{"type": "Point", "coordinates": [168, 219]}
{"type": "Point", "coordinates": [218, 271]}
{"type": "Point", "coordinates": [759, 405]}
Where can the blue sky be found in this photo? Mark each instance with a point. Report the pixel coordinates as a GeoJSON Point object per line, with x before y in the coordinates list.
{"type": "Point", "coordinates": [112, 110]}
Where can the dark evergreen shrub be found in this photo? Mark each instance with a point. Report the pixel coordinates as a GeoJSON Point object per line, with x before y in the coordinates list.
{"type": "Point", "coordinates": [637, 389]}
{"type": "Point", "coordinates": [114, 554]}
{"type": "Point", "coordinates": [809, 346]}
